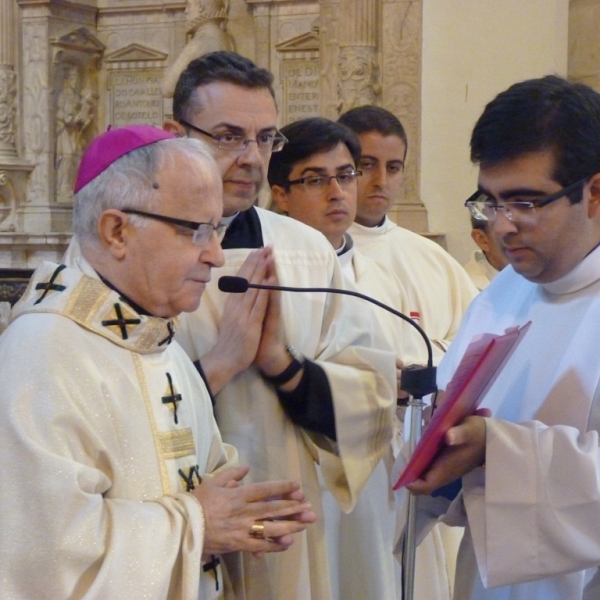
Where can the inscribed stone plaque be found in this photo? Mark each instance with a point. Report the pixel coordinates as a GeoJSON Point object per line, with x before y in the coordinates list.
{"type": "Point", "coordinates": [135, 97]}
{"type": "Point", "coordinates": [300, 89]}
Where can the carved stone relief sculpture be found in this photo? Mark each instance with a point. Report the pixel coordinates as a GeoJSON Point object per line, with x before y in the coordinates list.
{"type": "Point", "coordinates": [8, 81]}
{"type": "Point", "coordinates": [359, 78]}
{"type": "Point", "coordinates": [206, 25]}
{"type": "Point", "coordinates": [358, 63]}
{"type": "Point", "coordinates": [74, 114]}
{"type": "Point", "coordinates": [76, 65]}
{"type": "Point", "coordinates": [8, 110]}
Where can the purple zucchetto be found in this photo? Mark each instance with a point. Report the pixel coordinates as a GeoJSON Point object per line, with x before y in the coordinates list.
{"type": "Point", "coordinates": [113, 144]}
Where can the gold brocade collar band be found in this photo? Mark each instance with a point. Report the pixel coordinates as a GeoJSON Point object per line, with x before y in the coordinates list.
{"type": "Point", "coordinates": [92, 304]}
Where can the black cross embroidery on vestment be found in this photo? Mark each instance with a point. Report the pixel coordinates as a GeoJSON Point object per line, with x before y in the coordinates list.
{"type": "Point", "coordinates": [189, 478]}
{"type": "Point", "coordinates": [50, 285]}
{"type": "Point", "coordinates": [212, 566]}
{"type": "Point", "coordinates": [173, 398]}
{"type": "Point", "coordinates": [121, 322]}
{"type": "Point", "coordinates": [171, 335]}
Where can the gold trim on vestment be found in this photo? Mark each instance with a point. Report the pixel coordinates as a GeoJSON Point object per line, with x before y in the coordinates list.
{"type": "Point", "coordinates": [166, 486]}
{"type": "Point", "coordinates": [154, 332]}
{"type": "Point", "coordinates": [86, 299]}
{"type": "Point", "coordinates": [177, 443]}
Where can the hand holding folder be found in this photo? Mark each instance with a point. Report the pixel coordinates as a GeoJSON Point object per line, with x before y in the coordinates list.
{"type": "Point", "coordinates": [482, 362]}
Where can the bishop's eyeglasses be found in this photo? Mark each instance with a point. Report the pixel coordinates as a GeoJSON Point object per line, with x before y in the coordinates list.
{"type": "Point", "coordinates": [266, 142]}
{"type": "Point", "coordinates": [202, 231]}
{"type": "Point", "coordinates": [485, 208]}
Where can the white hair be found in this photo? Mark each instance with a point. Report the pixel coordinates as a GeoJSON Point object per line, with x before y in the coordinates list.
{"type": "Point", "coordinates": [127, 183]}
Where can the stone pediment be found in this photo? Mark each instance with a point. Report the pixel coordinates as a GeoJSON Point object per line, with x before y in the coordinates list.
{"type": "Point", "coordinates": [307, 42]}
{"type": "Point", "coordinates": [80, 39]}
{"type": "Point", "coordinates": [135, 52]}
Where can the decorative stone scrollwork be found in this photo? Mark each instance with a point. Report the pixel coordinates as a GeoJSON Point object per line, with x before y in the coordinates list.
{"type": "Point", "coordinates": [8, 107]}
{"type": "Point", "coordinates": [359, 78]}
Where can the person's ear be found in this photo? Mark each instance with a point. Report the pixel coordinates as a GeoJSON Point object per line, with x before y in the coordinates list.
{"type": "Point", "coordinates": [113, 232]}
{"type": "Point", "coordinates": [480, 238]}
{"type": "Point", "coordinates": [280, 196]}
{"type": "Point", "coordinates": [174, 127]}
{"type": "Point", "coordinates": [594, 203]}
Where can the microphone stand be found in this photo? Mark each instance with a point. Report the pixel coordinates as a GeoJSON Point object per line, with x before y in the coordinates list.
{"type": "Point", "coordinates": [417, 380]}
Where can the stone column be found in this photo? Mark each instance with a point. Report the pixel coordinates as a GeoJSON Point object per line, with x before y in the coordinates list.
{"type": "Point", "coordinates": [13, 170]}
{"type": "Point", "coordinates": [8, 82]}
{"type": "Point", "coordinates": [358, 66]}
{"type": "Point", "coordinates": [401, 81]}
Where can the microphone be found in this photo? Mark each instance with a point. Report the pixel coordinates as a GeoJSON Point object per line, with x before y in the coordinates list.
{"type": "Point", "coordinates": [417, 380]}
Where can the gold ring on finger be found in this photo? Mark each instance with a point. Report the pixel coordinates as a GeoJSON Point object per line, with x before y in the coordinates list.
{"type": "Point", "coordinates": [257, 531]}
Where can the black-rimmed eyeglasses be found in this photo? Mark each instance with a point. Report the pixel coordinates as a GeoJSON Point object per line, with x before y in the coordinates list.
{"type": "Point", "coordinates": [266, 142]}
{"type": "Point", "coordinates": [485, 208]}
{"type": "Point", "coordinates": [317, 184]}
{"type": "Point", "coordinates": [202, 231]}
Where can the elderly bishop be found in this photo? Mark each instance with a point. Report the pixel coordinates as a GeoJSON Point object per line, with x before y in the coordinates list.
{"type": "Point", "coordinates": [115, 481]}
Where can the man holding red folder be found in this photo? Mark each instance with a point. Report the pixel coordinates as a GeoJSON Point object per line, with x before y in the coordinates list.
{"type": "Point", "coordinates": [530, 498]}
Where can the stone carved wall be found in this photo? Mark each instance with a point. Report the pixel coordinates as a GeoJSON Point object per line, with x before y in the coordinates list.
{"type": "Point", "coordinates": [206, 28]}
{"type": "Point", "coordinates": [8, 202]}
{"type": "Point", "coordinates": [367, 51]}
{"type": "Point", "coordinates": [82, 65]}
{"type": "Point", "coordinates": [299, 77]}
{"type": "Point", "coordinates": [134, 79]}
{"type": "Point", "coordinates": [358, 69]}
{"type": "Point", "coordinates": [8, 110]}
{"type": "Point", "coordinates": [142, 42]}
{"type": "Point", "coordinates": [8, 80]}
{"type": "Point", "coordinates": [76, 59]}
{"type": "Point", "coordinates": [401, 85]}
{"type": "Point", "coordinates": [35, 103]}
{"type": "Point", "coordinates": [358, 78]}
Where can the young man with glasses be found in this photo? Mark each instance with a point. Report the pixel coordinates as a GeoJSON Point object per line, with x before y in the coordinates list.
{"type": "Point", "coordinates": [284, 368]}
{"type": "Point", "coordinates": [532, 512]}
{"type": "Point", "coordinates": [441, 290]}
{"type": "Point", "coordinates": [314, 180]}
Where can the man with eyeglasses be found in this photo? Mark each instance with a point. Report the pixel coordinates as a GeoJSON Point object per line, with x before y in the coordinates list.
{"type": "Point", "coordinates": [115, 481]}
{"type": "Point", "coordinates": [285, 370]}
{"type": "Point", "coordinates": [530, 492]}
{"type": "Point", "coordinates": [314, 180]}
{"type": "Point", "coordinates": [439, 288]}
{"type": "Point", "coordinates": [488, 260]}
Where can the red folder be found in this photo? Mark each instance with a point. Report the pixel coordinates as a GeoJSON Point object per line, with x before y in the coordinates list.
{"type": "Point", "coordinates": [482, 362]}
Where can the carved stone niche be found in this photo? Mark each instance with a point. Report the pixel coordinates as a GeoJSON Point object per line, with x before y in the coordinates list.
{"type": "Point", "coordinates": [299, 76]}
{"type": "Point", "coordinates": [76, 60]}
{"type": "Point", "coordinates": [134, 94]}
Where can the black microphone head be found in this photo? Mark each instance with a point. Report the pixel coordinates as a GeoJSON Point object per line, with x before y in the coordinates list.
{"type": "Point", "coordinates": [233, 285]}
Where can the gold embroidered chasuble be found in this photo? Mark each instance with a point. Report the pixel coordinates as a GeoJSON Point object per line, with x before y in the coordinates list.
{"type": "Point", "coordinates": [104, 424]}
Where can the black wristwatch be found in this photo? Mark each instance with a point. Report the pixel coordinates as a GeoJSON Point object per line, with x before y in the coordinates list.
{"type": "Point", "coordinates": [290, 371]}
